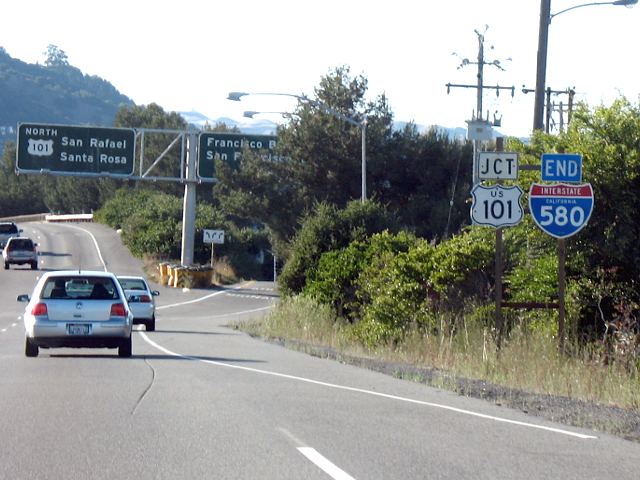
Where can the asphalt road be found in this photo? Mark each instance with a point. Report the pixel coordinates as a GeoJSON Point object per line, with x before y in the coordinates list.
{"type": "Point", "coordinates": [201, 400]}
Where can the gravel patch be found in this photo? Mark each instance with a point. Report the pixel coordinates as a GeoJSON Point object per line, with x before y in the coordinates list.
{"type": "Point", "coordinates": [616, 421]}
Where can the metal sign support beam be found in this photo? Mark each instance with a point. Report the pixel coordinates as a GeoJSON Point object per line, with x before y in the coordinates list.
{"type": "Point", "coordinates": [189, 205]}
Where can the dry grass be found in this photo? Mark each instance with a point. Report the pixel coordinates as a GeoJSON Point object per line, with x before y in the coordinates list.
{"type": "Point", "coordinates": [528, 360]}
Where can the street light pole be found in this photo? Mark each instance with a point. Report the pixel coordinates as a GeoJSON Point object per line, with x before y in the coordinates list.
{"type": "Point", "coordinates": [362, 124]}
{"type": "Point", "coordinates": [543, 39]}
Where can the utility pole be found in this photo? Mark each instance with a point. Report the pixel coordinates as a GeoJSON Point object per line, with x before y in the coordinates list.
{"type": "Point", "coordinates": [550, 106]}
{"type": "Point", "coordinates": [479, 128]}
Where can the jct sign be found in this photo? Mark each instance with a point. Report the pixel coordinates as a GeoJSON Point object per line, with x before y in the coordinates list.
{"type": "Point", "coordinates": [497, 166]}
{"type": "Point", "coordinates": [74, 150]}
{"type": "Point", "coordinates": [561, 210]}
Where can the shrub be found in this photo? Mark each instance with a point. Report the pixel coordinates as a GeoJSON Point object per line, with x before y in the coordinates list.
{"type": "Point", "coordinates": [326, 229]}
{"type": "Point", "coordinates": [334, 280]}
{"type": "Point", "coordinates": [396, 296]}
{"type": "Point", "coordinates": [462, 267]}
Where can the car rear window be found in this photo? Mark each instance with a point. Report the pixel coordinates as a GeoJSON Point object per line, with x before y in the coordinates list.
{"type": "Point", "coordinates": [79, 288]}
{"type": "Point", "coordinates": [8, 228]}
{"type": "Point", "coordinates": [21, 244]}
{"type": "Point", "coordinates": [132, 284]}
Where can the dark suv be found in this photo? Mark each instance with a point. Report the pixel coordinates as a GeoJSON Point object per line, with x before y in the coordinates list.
{"type": "Point", "coordinates": [20, 251]}
{"type": "Point", "coordinates": [8, 230]}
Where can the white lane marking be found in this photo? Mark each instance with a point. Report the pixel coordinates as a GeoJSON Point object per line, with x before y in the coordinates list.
{"type": "Point", "coordinates": [367, 392]}
{"type": "Point", "coordinates": [325, 465]}
{"type": "Point", "coordinates": [211, 295]}
{"type": "Point", "coordinates": [331, 385]}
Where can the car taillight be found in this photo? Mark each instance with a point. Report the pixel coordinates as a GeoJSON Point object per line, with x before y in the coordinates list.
{"type": "Point", "coordinates": [39, 309]}
{"type": "Point", "coordinates": [145, 298]}
{"type": "Point", "coordinates": [118, 310]}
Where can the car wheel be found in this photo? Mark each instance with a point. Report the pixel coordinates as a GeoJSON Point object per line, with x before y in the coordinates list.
{"type": "Point", "coordinates": [30, 350]}
{"type": "Point", "coordinates": [150, 326]}
{"type": "Point", "coordinates": [124, 350]}
{"type": "Point", "coordinates": [34, 265]}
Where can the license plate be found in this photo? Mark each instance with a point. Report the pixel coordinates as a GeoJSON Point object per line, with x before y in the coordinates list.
{"type": "Point", "coordinates": [78, 329]}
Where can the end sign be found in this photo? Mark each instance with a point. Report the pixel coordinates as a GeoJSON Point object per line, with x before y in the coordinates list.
{"type": "Point", "coordinates": [561, 167]}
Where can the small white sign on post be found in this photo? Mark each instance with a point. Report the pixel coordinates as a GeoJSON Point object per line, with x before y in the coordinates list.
{"type": "Point", "coordinates": [213, 236]}
{"type": "Point", "coordinates": [497, 166]}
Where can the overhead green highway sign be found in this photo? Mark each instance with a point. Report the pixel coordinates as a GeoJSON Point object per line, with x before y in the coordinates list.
{"type": "Point", "coordinates": [75, 150]}
{"type": "Point", "coordinates": [228, 147]}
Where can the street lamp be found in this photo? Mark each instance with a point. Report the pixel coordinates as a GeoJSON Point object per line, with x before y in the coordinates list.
{"type": "Point", "coordinates": [543, 37]}
{"type": "Point", "coordinates": [362, 124]}
{"type": "Point", "coordinates": [252, 113]}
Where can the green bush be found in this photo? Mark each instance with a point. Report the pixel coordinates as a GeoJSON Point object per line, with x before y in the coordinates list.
{"type": "Point", "coordinates": [396, 296]}
{"type": "Point", "coordinates": [329, 228]}
{"type": "Point", "coordinates": [151, 224]}
{"type": "Point", "coordinates": [463, 267]}
{"type": "Point", "coordinates": [334, 280]}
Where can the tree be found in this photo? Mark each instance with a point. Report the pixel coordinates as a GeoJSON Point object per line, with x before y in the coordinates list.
{"type": "Point", "coordinates": [19, 194]}
{"type": "Point", "coordinates": [320, 158]}
{"type": "Point", "coordinates": [609, 140]}
{"type": "Point", "coordinates": [55, 57]}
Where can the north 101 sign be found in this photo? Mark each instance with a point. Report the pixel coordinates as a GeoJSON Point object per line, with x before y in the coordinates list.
{"type": "Point", "coordinates": [496, 206]}
{"type": "Point", "coordinates": [561, 210]}
{"type": "Point", "coordinates": [75, 150]}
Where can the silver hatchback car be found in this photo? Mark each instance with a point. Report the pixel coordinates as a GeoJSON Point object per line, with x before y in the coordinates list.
{"type": "Point", "coordinates": [77, 309]}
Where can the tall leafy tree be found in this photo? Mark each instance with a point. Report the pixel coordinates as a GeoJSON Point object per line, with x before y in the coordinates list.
{"type": "Point", "coordinates": [55, 56]}
{"type": "Point", "coordinates": [609, 140]}
{"type": "Point", "coordinates": [319, 157]}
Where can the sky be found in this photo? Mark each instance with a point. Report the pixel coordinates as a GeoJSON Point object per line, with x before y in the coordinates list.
{"type": "Point", "coordinates": [189, 55]}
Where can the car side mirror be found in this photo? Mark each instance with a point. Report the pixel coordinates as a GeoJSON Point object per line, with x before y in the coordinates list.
{"type": "Point", "coordinates": [23, 298]}
{"type": "Point", "coordinates": [155, 293]}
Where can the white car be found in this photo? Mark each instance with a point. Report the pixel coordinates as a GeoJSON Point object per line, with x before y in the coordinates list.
{"type": "Point", "coordinates": [77, 309]}
{"type": "Point", "coordinates": [141, 300]}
